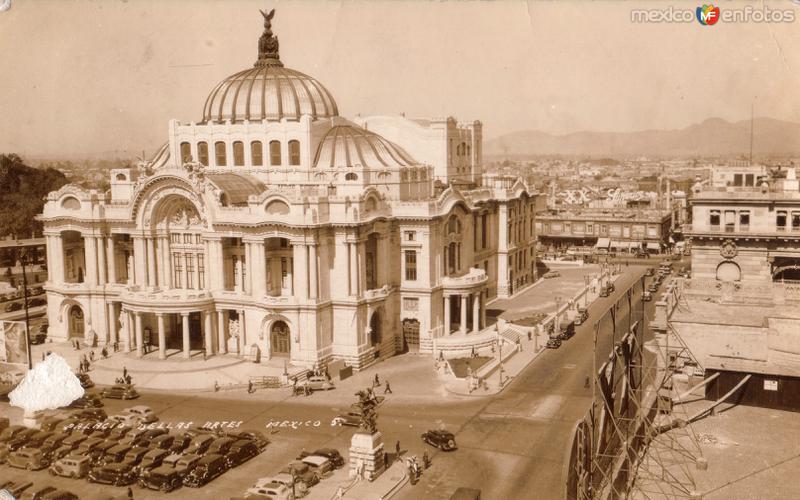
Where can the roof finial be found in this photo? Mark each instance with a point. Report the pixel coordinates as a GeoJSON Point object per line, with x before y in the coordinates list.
{"type": "Point", "coordinates": [268, 43]}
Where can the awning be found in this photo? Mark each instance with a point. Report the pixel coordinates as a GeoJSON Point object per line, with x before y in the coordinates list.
{"type": "Point", "coordinates": [633, 245]}
{"type": "Point", "coordinates": [602, 243]}
{"type": "Point", "coordinates": [653, 246]}
{"type": "Point", "coordinates": [618, 244]}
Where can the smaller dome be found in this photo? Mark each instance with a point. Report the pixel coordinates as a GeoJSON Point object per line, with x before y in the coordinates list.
{"type": "Point", "coordinates": [350, 146]}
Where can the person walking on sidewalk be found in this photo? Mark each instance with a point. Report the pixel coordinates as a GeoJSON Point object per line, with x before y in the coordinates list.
{"type": "Point", "coordinates": [377, 381]}
{"type": "Point", "coordinates": [249, 387]}
{"type": "Point", "coordinates": [397, 447]}
{"type": "Point", "coordinates": [388, 389]}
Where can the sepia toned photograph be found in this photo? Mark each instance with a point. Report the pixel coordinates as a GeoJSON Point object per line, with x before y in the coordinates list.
{"type": "Point", "coordinates": [411, 250]}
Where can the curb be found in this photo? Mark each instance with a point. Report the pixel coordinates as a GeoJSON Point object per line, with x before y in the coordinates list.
{"type": "Point", "coordinates": [498, 391]}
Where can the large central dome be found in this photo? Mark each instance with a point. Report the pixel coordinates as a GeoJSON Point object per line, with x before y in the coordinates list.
{"type": "Point", "coordinates": [268, 91]}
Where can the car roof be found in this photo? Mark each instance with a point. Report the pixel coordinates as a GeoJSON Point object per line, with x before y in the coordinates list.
{"type": "Point", "coordinates": [315, 460]}
{"type": "Point", "coordinates": [209, 458]}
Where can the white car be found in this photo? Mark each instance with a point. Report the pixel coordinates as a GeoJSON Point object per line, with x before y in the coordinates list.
{"type": "Point", "coordinates": [143, 413]}
{"type": "Point", "coordinates": [276, 491]}
{"type": "Point", "coordinates": [125, 419]}
{"type": "Point", "coordinates": [300, 488]}
{"type": "Point", "coordinates": [319, 464]}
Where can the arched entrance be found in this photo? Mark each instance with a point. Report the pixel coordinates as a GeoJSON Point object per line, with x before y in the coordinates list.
{"type": "Point", "coordinates": [375, 334]}
{"type": "Point", "coordinates": [76, 322]}
{"type": "Point", "coordinates": [728, 271]}
{"type": "Point", "coordinates": [410, 335]}
{"type": "Point", "coordinates": [279, 339]}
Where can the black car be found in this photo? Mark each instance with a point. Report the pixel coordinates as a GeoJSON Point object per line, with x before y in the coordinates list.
{"type": "Point", "coordinates": [38, 338]}
{"type": "Point", "coordinates": [87, 401]}
{"type": "Point", "coordinates": [240, 452]}
{"type": "Point", "coordinates": [120, 391]}
{"type": "Point", "coordinates": [207, 468]}
{"type": "Point", "coordinates": [20, 439]}
{"type": "Point", "coordinates": [443, 440]}
{"type": "Point", "coordinates": [256, 436]}
{"type": "Point", "coordinates": [10, 433]}
{"type": "Point", "coordinates": [14, 306]}
{"type": "Point", "coordinates": [567, 331]}
{"type": "Point", "coordinates": [86, 381]}
{"type": "Point", "coordinates": [96, 414]}
{"type": "Point", "coordinates": [553, 343]}
{"type": "Point", "coordinates": [331, 454]}
{"type": "Point", "coordinates": [36, 302]}
{"type": "Point", "coordinates": [163, 478]}
{"type": "Point", "coordinates": [181, 442]}
{"type": "Point", "coordinates": [115, 474]}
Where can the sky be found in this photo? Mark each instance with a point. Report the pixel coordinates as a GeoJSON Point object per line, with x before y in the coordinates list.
{"type": "Point", "coordinates": [86, 79]}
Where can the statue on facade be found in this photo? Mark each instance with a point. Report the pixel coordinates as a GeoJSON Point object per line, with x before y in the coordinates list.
{"type": "Point", "coordinates": [123, 325]}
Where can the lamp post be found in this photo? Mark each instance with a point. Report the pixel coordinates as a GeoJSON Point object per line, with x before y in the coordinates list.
{"type": "Point", "coordinates": [586, 291]}
{"type": "Point", "coordinates": [23, 260]}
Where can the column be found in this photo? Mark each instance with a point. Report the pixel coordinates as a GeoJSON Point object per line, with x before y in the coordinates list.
{"type": "Point", "coordinates": [476, 312]}
{"type": "Point", "coordinates": [483, 310]}
{"type": "Point", "coordinates": [300, 267]}
{"type": "Point", "coordinates": [139, 261]}
{"type": "Point", "coordinates": [58, 263]}
{"type": "Point", "coordinates": [207, 332]}
{"type": "Point", "coordinates": [162, 337]}
{"type": "Point", "coordinates": [50, 259]}
{"type": "Point", "coordinates": [101, 259]}
{"type": "Point", "coordinates": [112, 260]}
{"type": "Point", "coordinates": [90, 247]}
{"type": "Point", "coordinates": [223, 346]}
{"type": "Point", "coordinates": [313, 281]}
{"type": "Point", "coordinates": [151, 263]}
{"type": "Point", "coordinates": [238, 270]}
{"type": "Point", "coordinates": [242, 333]}
{"type": "Point", "coordinates": [447, 318]}
{"type": "Point", "coordinates": [462, 328]}
{"type": "Point", "coordinates": [352, 273]}
{"type": "Point", "coordinates": [138, 326]}
{"type": "Point", "coordinates": [112, 324]}
{"type": "Point", "coordinates": [166, 261]}
{"type": "Point", "coordinates": [185, 332]}
{"type": "Point", "coordinates": [128, 331]}
{"type": "Point", "coordinates": [215, 269]}
{"type": "Point", "coordinates": [197, 273]}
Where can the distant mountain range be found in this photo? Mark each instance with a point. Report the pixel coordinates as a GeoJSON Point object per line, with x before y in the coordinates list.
{"type": "Point", "coordinates": [713, 137]}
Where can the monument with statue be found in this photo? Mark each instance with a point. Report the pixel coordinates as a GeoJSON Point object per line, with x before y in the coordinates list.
{"type": "Point", "coordinates": [366, 446]}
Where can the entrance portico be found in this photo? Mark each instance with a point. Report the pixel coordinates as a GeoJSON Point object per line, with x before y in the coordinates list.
{"type": "Point", "coordinates": [464, 300]}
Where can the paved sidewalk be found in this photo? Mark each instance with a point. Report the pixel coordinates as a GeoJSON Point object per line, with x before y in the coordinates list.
{"type": "Point", "coordinates": [388, 483]}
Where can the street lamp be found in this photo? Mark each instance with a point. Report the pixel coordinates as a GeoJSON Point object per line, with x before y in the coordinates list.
{"type": "Point", "coordinates": [586, 291]}
{"type": "Point", "coordinates": [23, 260]}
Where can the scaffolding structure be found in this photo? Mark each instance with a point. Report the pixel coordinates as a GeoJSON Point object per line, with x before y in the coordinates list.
{"type": "Point", "coordinates": [635, 440]}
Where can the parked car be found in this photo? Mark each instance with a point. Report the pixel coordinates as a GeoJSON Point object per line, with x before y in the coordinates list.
{"type": "Point", "coordinates": [240, 452]}
{"type": "Point", "coordinates": [120, 391]}
{"type": "Point", "coordinates": [206, 469]}
{"type": "Point", "coordinates": [582, 316]}
{"type": "Point", "coordinates": [20, 439]}
{"type": "Point", "coordinates": [10, 432]}
{"type": "Point", "coordinates": [85, 380]}
{"type": "Point", "coordinates": [466, 494]}
{"type": "Point", "coordinates": [36, 440]}
{"type": "Point", "coordinates": [53, 442]}
{"type": "Point", "coordinates": [28, 458]}
{"type": "Point", "coordinates": [73, 466]}
{"type": "Point", "coordinates": [611, 287]}
{"type": "Point", "coordinates": [38, 338]}
{"type": "Point", "coordinates": [16, 489]}
{"type": "Point", "coordinates": [300, 487]}
{"type": "Point", "coordinates": [98, 453]}
{"type": "Point", "coordinates": [275, 491]}
{"type": "Point", "coordinates": [351, 418]}
{"type": "Point", "coordinates": [87, 401]}
{"type": "Point", "coordinates": [317, 383]}
{"type": "Point", "coordinates": [553, 343]}
{"type": "Point", "coordinates": [115, 474]}
{"type": "Point", "coordinates": [221, 445]}
{"type": "Point", "coordinates": [321, 466]}
{"type": "Point", "coordinates": [605, 291]}
{"type": "Point", "coordinates": [256, 436]}
{"type": "Point", "coordinates": [96, 414]}
{"type": "Point", "coordinates": [143, 413]}
{"type": "Point", "coordinates": [650, 271]}
{"type": "Point", "coordinates": [647, 296]}
{"type": "Point", "coordinates": [199, 444]}
{"type": "Point", "coordinates": [302, 472]}
{"type": "Point", "coordinates": [330, 453]}
{"type": "Point", "coordinates": [151, 460]}
{"type": "Point", "coordinates": [567, 331]}
{"type": "Point", "coordinates": [116, 453]}
{"type": "Point", "coordinates": [135, 455]}
{"type": "Point", "coordinates": [180, 443]}
{"type": "Point", "coordinates": [13, 306]}
{"type": "Point", "coordinates": [36, 302]}
{"type": "Point", "coordinates": [551, 274]}
{"type": "Point", "coordinates": [39, 492]}
{"type": "Point", "coordinates": [51, 423]}
{"type": "Point", "coordinates": [162, 478]}
{"type": "Point", "coordinates": [441, 439]}
{"type": "Point", "coordinates": [653, 288]}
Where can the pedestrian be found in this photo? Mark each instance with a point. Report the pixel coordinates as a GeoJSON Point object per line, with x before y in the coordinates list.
{"type": "Point", "coordinates": [216, 386]}
{"type": "Point", "coordinates": [397, 447]}
{"type": "Point", "coordinates": [385, 458]}
{"type": "Point", "coordinates": [128, 379]}
{"type": "Point", "coordinates": [529, 336]}
{"type": "Point", "coordinates": [249, 387]}
{"type": "Point", "coordinates": [124, 372]}
{"type": "Point", "coordinates": [388, 389]}
{"type": "Point", "coordinates": [377, 381]}
{"type": "Point", "coordinates": [130, 492]}
{"type": "Point", "coordinates": [116, 346]}
{"type": "Point", "coordinates": [426, 460]}
{"type": "Point", "coordinates": [104, 353]}
{"type": "Point", "coordinates": [91, 356]}
{"type": "Point", "coordinates": [586, 383]}
{"type": "Point", "coordinates": [42, 356]}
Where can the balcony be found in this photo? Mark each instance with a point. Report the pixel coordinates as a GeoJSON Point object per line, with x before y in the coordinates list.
{"type": "Point", "coordinates": [473, 278]}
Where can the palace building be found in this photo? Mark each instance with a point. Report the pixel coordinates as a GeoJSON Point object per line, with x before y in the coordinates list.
{"type": "Point", "coordinates": [275, 228]}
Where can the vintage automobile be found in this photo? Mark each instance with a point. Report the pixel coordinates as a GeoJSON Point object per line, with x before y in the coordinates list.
{"type": "Point", "coordinates": [302, 472]}
{"type": "Point", "coordinates": [38, 439]}
{"type": "Point", "coordinates": [605, 291]}
{"type": "Point", "coordinates": [221, 445]}
{"type": "Point", "coordinates": [567, 331]}
{"type": "Point", "coordinates": [205, 470]}
{"type": "Point", "coordinates": [116, 453]}
{"type": "Point", "coordinates": [466, 494]}
{"type": "Point", "coordinates": [300, 487]}
{"type": "Point", "coordinates": [273, 490]}
{"type": "Point", "coordinates": [151, 460]}
{"type": "Point", "coordinates": [240, 452]}
{"type": "Point", "coordinates": [551, 274]}
{"type": "Point", "coordinates": [11, 432]}
{"type": "Point", "coordinates": [650, 271]}
{"type": "Point", "coordinates": [330, 453]}
{"type": "Point", "coordinates": [162, 478]}
{"type": "Point", "coordinates": [96, 414]}
{"type": "Point", "coordinates": [87, 401]}
{"type": "Point", "coordinates": [321, 466]}
{"type": "Point", "coordinates": [85, 380]}
{"type": "Point", "coordinates": [120, 391]}
{"type": "Point", "coordinates": [53, 442]}
{"type": "Point", "coordinates": [199, 444]}
{"type": "Point", "coordinates": [647, 296]}
{"type": "Point", "coordinates": [351, 418]}
{"type": "Point", "coordinates": [582, 316]}
{"type": "Point", "coordinates": [28, 458]}
{"type": "Point", "coordinates": [653, 288]}
{"type": "Point", "coordinates": [72, 466]}
{"type": "Point", "coordinates": [38, 338]}
{"type": "Point", "coordinates": [443, 440]}
{"type": "Point", "coordinates": [115, 474]}
{"type": "Point", "coordinates": [181, 463]}
{"type": "Point", "coordinates": [13, 306]}
{"type": "Point", "coordinates": [15, 489]}
{"type": "Point", "coordinates": [317, 383]}
{"type": "Point", "coordinates": [19, 440]}
{"type": "Point", "coordinates": [143, 413]}
{"type": "Point", "coordinates": [553, 343]}
{"type": "Point", "coordinates": [256, 436]}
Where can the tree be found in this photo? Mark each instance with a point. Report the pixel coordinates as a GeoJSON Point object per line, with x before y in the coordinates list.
{"type": "Point", "coordinates": [22, 193]}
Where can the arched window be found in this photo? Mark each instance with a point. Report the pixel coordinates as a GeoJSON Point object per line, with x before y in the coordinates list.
{"type": "Point", "coordinates": [121, 178]}
{"type": "Point", "coordinates": [238, 154]}
{"type": "Point", "coordinates": [294, 152]}
{"type": "Point", "coordinates": [351, 177]}
{"type": "Point", "coordinates": [275, 153]}
{"type": "Point", "coordinates": [219, 153]}
{"type": "Point", "coordinates": [202, 153]}
{"type": "Point", "coordinates": [186, 152]}
{"type": "Point", "coordinates": [257, 153]}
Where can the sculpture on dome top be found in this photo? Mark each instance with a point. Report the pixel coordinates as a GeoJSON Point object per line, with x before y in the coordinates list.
{"type": "Point", "coordinates": [268, 43]}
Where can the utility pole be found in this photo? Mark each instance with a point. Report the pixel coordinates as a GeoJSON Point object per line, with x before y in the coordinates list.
{"type": "Point", "coordinates": [23, 261]}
